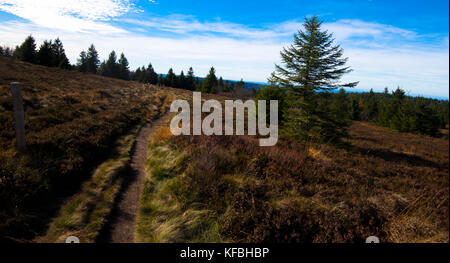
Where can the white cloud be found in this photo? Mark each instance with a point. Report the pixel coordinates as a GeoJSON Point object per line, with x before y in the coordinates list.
{"type": "Point", "coordinates": [342, 29]}
{"type": "Point", "coordinates": [233, 58]}
{"type": "Point", "coordinates": [181, 24]}
{"type": "Point", "coordinates": [71, 15]}
{"type": "Point", "coordinates": [381, 55]}
{"type": "Point", "coordinates": [419, 72]}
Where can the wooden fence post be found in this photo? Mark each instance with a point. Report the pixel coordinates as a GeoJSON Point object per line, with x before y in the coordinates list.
{"type": "Point", "coordinates": [18, 115]}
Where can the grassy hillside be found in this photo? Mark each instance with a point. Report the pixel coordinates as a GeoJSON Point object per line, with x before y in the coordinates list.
{"type": "Point", "coordinates": [71, 122]}
{"type": "Point", "coordinates": [79, 131]}
{"type": "Point", "coordinates": [214, 189]}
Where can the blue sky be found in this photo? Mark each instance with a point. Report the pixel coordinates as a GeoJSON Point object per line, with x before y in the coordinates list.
{"type": "Point", "coordinates": [389, 43]}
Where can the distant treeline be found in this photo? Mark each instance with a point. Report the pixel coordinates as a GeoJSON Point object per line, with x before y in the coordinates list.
{"type": "Point", "coordinates": [52, 54]}
{"type": "Point", "coordinates": [393, 110]}
{"type": "Point", "coordinates": [209, 84]}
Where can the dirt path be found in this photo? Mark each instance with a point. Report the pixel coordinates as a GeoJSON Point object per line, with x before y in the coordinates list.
{"type": "Point", "coordinates": [122, 222]}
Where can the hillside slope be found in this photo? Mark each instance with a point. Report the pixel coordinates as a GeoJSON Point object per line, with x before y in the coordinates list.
{"type": "Point", "coordinates": [71, 122]}
{"type": "Point", "coordinates": [219, 188]}
{"type": "Point", "coordinates": [208, 189]}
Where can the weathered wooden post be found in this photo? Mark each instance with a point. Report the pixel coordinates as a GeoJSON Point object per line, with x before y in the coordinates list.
{"type": "Point", "coordinates": [18, 116]}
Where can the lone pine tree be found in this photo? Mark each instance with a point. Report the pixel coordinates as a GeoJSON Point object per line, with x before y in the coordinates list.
{"type": "Point", "coordinates": [311, 64]}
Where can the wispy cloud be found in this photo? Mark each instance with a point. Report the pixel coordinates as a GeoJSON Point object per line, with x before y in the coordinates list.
{"type": "Point", "coordinates": [342, 29]}
{"type": "Point", "coordinates": [381, 55]}
{"type": "Point", "coordinates": [188, 25]}
{"type": "Point", "coordinates": [71, 15]}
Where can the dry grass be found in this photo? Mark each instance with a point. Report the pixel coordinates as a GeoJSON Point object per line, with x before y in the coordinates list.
{"type": "Point", "coordinates": [388, 184]}
{"type": "Point", "coordinates": [71, 121]}
{"type": "Point", "coordinates": [85, 214]}
{"type": "Point", "coordinates": [162, 219]}
{"type": "Point", "coordinates": [208, 189]}
{"type": "Point", "coordinates": [161, 135]}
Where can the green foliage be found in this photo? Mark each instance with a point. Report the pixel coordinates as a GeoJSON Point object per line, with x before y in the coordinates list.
{"type": "Point", "coordinates": [124, 70]}
{"type": "Point", "coordinates": [50, 54]}
{"type": "Point", "coordinates": [209, 85]}
{"type": "Point", "coordinates": [396, 111]}
{"type": "Point", "coordinates": [114, 68]}
{"type": "Point", "coordinates": [311, 64]}
{"type": "Point", "coordinates": [7, 51]}
{"type": "Point", "coordinates": [269, 93]}
{"type": "Point", "coordinates": [340, 107]}
{"type": "Point", "coordinates": [354, 111]}
{"type": "Point", "coordinates": [171, 79]}
{"type": "Point", "coordinates": [190, 80]}
{"type": "Point", "coordinates": [145, 75]}
{"type": "Point", "coordinates": [60, 59]}
{"type": "Point", "coordinates": [45, 54]}
{"type": "Point", "coordinates": [92, 61]}
{"type": "Point", "coordinates": [27, 50]}
{"type": "Point", "coordinates": [82, 62]}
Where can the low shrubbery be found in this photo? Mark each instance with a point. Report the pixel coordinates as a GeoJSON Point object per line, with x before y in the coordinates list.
{"type": "Point", "coordinates": [218, 188]}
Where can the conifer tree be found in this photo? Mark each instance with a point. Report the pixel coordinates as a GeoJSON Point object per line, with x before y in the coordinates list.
{"type": "Point", "coordinates": [45, 55]}
{"type": "Point", "coordinates": [123, 68]}
{"type": "Point", "coordinates": [161, 80]}
{"type": "Point", "coordinates": [92, 61]}
{"type": "Point", "coordinates": [226, 87]}
{"type": "Point", "coordinates": [190, 79]}
{"type": "Point", "coordinates": [425, 120]}
{"type": "Point", "coordinates": [110, 68]}
{"type": "Point", "coordinates": [151, 76]}
{"type": "Point", "coordinates": [60, 59]}
{"type": "Point", "coordinates": [82, 62]}
{"type": "Point", "coordinates": [354, 111]}
{"type": "Point", "coordinates": [27, 50]}
{"type": "Point", "coordinates": [340, 108]}
{"type": "Point", "coordinates": [7, 51]}
{"type": "Point", "coordinates": [210, 82]}
{"type": "Point", "coordinates": [137, 75]}
{"type": "Point", "coordinates": [311, 64]}
{"type": "Point", "coordinates": [220, 85]}
{"type": "Point", "coordinates": [181, 81]}
{"type": "Point", "coordinates": [171, 79]}
{"type": "Point", "coordinates": [370, 109]}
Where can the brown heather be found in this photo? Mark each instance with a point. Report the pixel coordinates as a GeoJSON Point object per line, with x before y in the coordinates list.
{"type": "Point", "coordinates": [383, 183]}
{"type": "Point", "coordinates": [208, 189]}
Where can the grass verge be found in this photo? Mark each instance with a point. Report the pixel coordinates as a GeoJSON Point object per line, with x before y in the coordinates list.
{"type": "Point", "coordinates": [162, 217]}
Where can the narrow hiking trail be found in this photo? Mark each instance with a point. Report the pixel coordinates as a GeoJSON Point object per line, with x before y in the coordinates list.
{"type": "Point", "coordinates": [122, 222]}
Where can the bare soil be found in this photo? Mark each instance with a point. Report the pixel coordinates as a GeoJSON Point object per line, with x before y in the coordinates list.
{"type": "Point", "coordinates": [122, 222]}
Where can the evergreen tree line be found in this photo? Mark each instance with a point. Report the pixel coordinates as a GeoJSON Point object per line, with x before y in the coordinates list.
{"type": "Point", "coordinates": [89, 62]}
{"type": "Point", "coordinates": [209, 84]}
{"type": "Point", "coordinates": [7, 51]}
{"type": "Point", "coordinates": [310, 70]}
{"type": "Point", "coordinates": [50, 53]}
{"type": "Point", "coordinates": [393, 110]}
